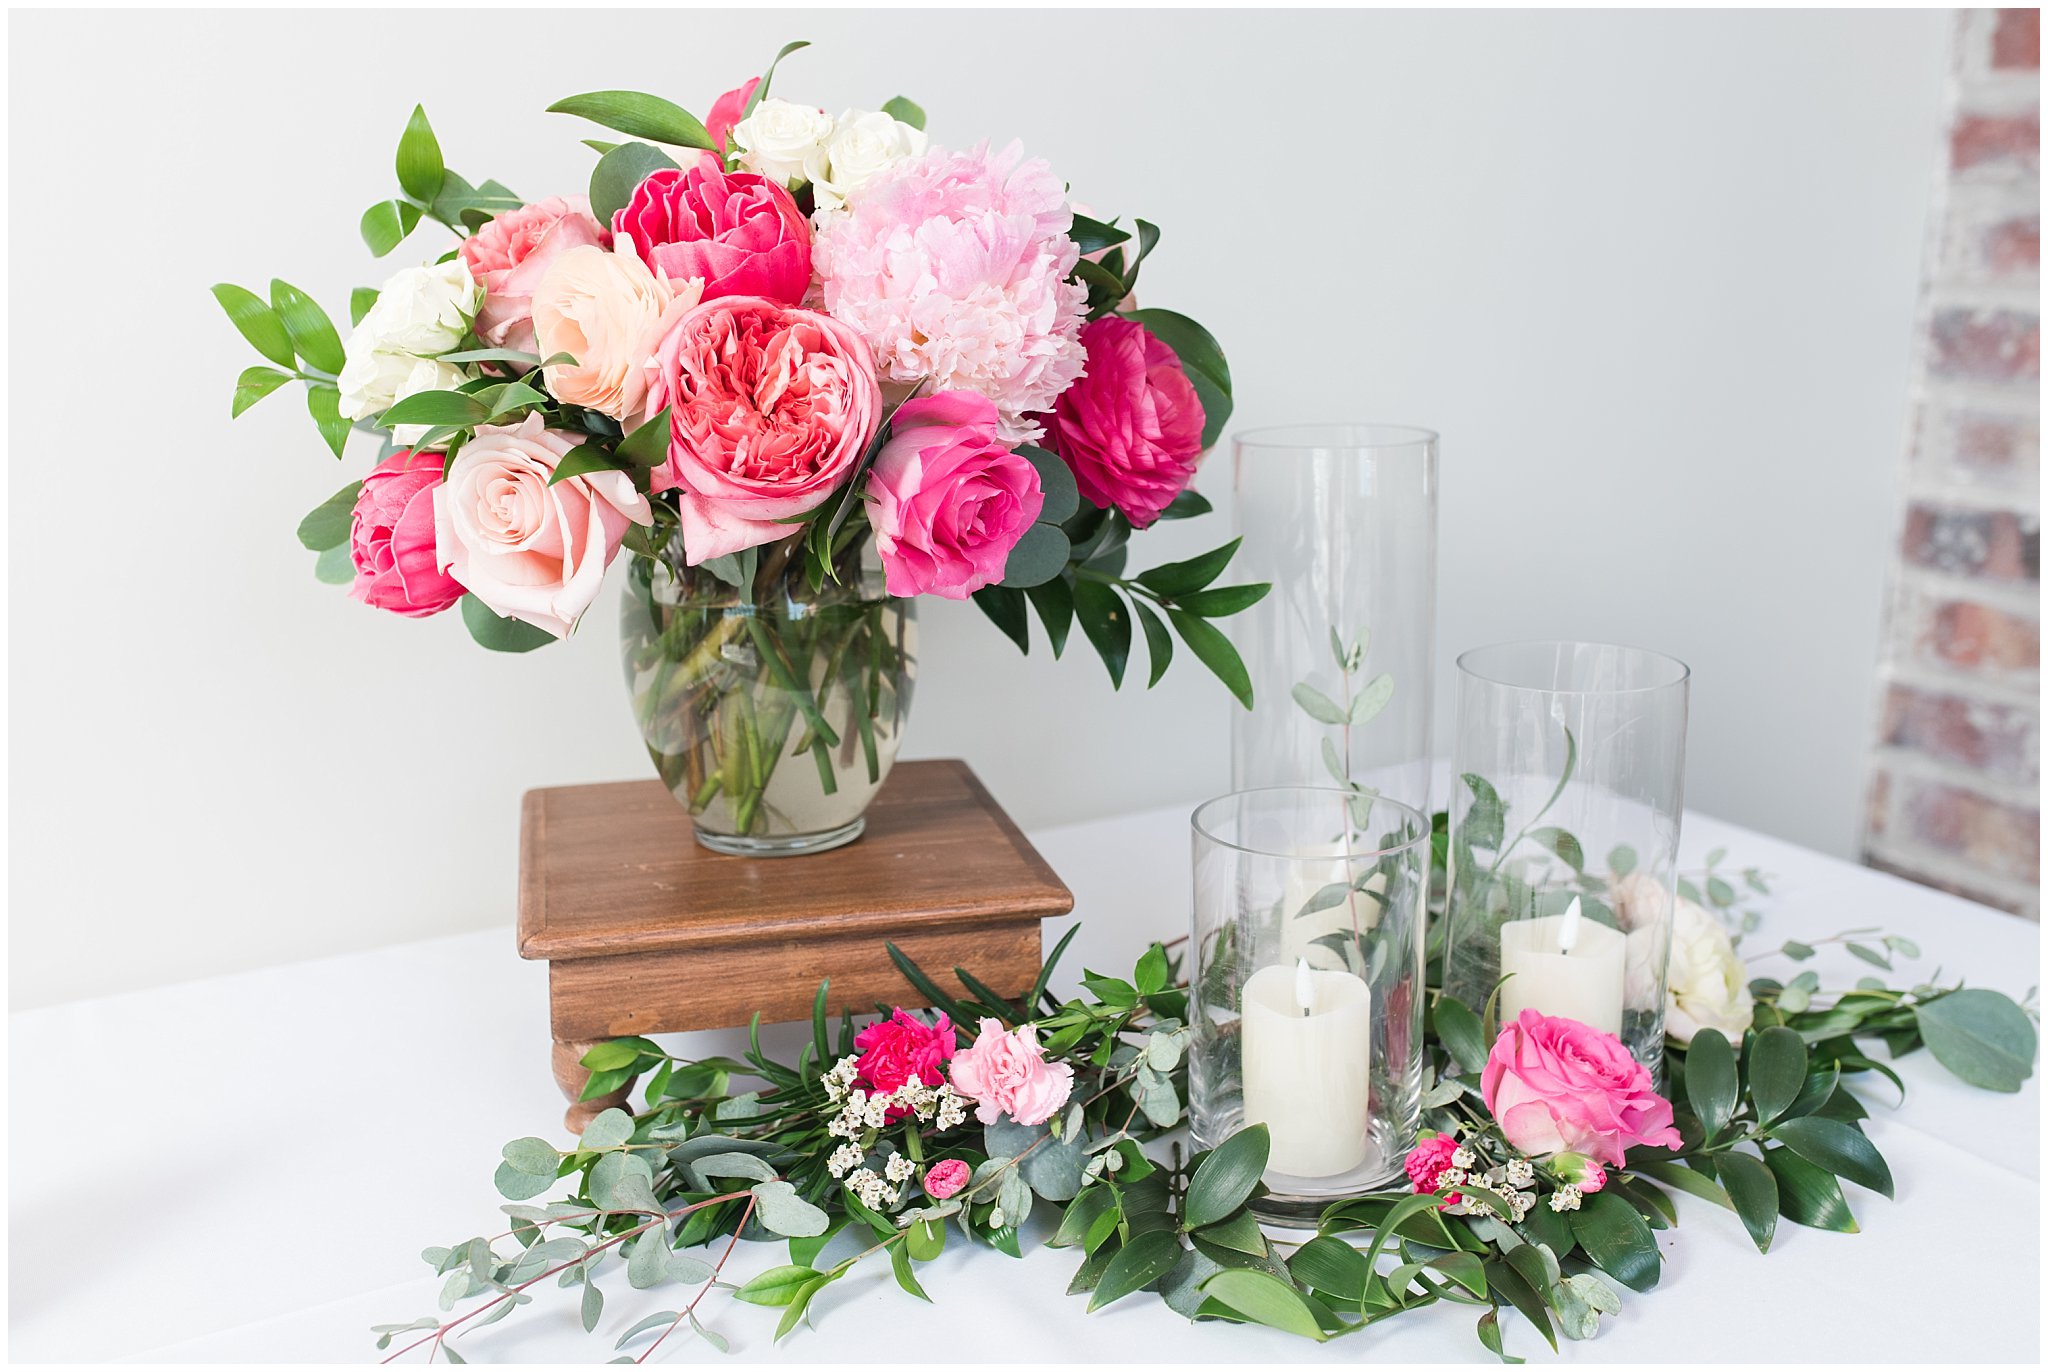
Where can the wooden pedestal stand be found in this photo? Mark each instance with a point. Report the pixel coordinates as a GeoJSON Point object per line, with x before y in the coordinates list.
{"type": "Point", "coordinates": [645, 931]}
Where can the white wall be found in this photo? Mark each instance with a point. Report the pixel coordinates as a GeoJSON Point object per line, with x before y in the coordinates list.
{"type": "Point", "coordinates": [1651, 275]}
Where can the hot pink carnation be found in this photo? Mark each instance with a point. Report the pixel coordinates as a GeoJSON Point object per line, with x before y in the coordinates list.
{"type": "Point", "coordinates": [945, 1178]}
{"type": "Point", "coordinates": [1007, 1074]}
{"type": "Point", "coordinates": [1131, 429]}
{"type": "Point", "coordinates": [391, 539]}
{"type": "Point", "coordinates": [901, 1047]}
{"type": "Point", "coordinates": [511, 253]}
{"type": "Point", "coordinates": [1428, 1160]}
{"type": "Point", "coordinates": [949, 498]}
{"type": "Point", "coordinates": [769, 408]}
{"type": "Point", "coordinates": [727, 109]}
{"type": "Point", "coordinates": [1559, 1086]}
{"type": "Point", "coordinates": [738, 233]}
{"type": "Point", "coordinates": [954, 266]}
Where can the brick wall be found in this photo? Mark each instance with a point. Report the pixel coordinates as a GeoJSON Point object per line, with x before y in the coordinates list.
{"type": "Point", "coordinates": [1955, 783]}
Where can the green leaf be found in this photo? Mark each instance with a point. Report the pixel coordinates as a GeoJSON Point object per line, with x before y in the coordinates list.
{"type": "Point", "coordinates": [593, 1305]}
{"type": "Point", "coordinates": [1618, 1240]}
{"type": "Point", "coordinates": [1226, 1177]}
{"type": "Point", "coordinates": [1039, 556]}
{"type": "Point", "coordinates": [1318, 706]}
{"type": "Point", "coordinates": [1372, 699]}
{"type": "Point", "coordinates": [584, 460]}
{"type": "Point", "coordinates": [602, 1057]}
{"type": "Point", "coordinates": [1685, 1179]}
{"type": "Point", "coordinates": [1331, 1266]}
{"type": "Point", "coordinates": [1201, 357]}
{"type": "Point", "coordinates": [1240, 1234]}
{"type": "Point", "coordinates": [934, 997]}
{"type": "Point", "coordinates": [1503, 1280]}
{"type": "Point", "coordinates": [498, 634]}
{"type": "Point", "coordinates": [1809, 1195]}
{"type": "Point", "coordinates": [258, 323]}
{"type": "Point", "coordinates": [1217, 653]}
{"type": "Point", "coordinates": [1461, 1033]}
{"type": "Point", "coordinates": [1103, 619]}
{"type": "Point", "coordinates": [904, 111]}
{"type": "Point", "coordinates": [1842, 1149]}
{"type": "Point", "coordinates": [1622, 860]}
{"type": "Point", "coordinates": [335, 566]}
{"type": "Point", "coordinates": [647, 1265]}
{"type": "Point", "coordinates": [1056, 482]}
{"type": "Point", "coordinates": [776, 1286]}
{"type": "Point", "coordinates": [1139, 1263]}
{"type": "Point", "coordinates": [324, 404]}
{"type": "Point", "coordinates": [1054, 601]}
{"type": "Point", "coordinates": [436, 407]}
{"type": "Point", "coordinates": [1009, 611]}
{"type": "Point", "coordinates": [619, 173]}
{"type": "Point", "coordinates": [535, 1157]}
{"type": "Point", "coordinates": [1720, 893]}
{"type": "Point", "coordinates": [329, 524]}
{"type": "Point", "coordinates": [784, 1212]}
{"type": "Point", "coordinates": [388, 223]}
{"type": "Point", "coordinates": [1981, 1036]}
{"type": "Point", "coordinates": [639, 116]}
{"type": "Point", "coordinates": [312, 332]}
{"type": "Point", "coordinates": [1188, 504]}
{"type": "Point", "coordinates": [608, 1129]}
{"type": "Point", "coordinates": [647, 446]}
{"type": "Point", "coordinates": [1158, 642]}
{"type": "Point", "coordinates": [768, 76]}
{"type": "Point", "coordinates": [419, 158]}
{"type": "Point", "coordinates": [1264, 1299]}
{"type": "Point", "coordinates": [1562, 843]}
{"type": "Point", "coordinates": [1798, 952]}
{"type": "Point", "coordinates": [1777, 1071]}
{"type": "Point", "coordinates": [1093, 236]}
{"type": "Point", "coordinates": [515, 1184]}
{"type": "Point", "coordinates": [359, 302]}
{"type": "Point", "coordinates": [1710, 1080]}
{"type": "Point", "coordinates": [1753, 1187]}
{"type": "Point", "coordinates": [253, 384]}
{"type": "Point", "coordinates": [1180, 578]}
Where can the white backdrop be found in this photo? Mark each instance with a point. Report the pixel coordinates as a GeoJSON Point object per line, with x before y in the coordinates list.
{"type": "Point", "coordinates": [1651, 275]}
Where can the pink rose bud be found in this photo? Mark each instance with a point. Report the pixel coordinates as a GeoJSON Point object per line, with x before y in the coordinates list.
{"type": "Point", "coordinates": [726, 111]}
{"type": "Point", "coordinates": [1559, 1086]}
{"type": "Point", "coordinates": [944, 1179]}
{"type": "Point", "coordinates": [1576, 1169]}
{"type": "Point", "coordinates": [391, 539]}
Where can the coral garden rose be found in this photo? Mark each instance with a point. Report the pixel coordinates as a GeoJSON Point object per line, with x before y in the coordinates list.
{"type": "Point", "coordinates": [727, 109]}
{"type": "Point", "coordinates": [769, 409]}
{"type": "Point", "coordinates": [739, 233]}
{"type": "Point", "coordinates": [391, 538]}
{"type": "Point", "coordinates": [894, 1050]}
{"type": "Point", "coordinates": [529, 550]}
{"type": "Point", "coordinates": [945, 1178]}
{"type": "Point", "coordinates": [1131, 427]}
{"type": "Point", "coordinates": [948, 498]}
{"type": "Point", "coordinates": [511, 253]}
{"type": "Point", "coordinates": [1558, 1086]}
{"type": "Point", "coordinates": [605, 309]}
{"type": "Point", "coordinates": [1007, 1074]}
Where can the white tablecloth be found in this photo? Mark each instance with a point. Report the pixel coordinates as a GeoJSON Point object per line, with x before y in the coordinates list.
{"type": "Point", "coordinates": [244, 1169]}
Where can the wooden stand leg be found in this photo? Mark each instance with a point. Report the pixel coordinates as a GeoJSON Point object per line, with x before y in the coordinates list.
{"type": "Point", "coordinates": [571, 1075]}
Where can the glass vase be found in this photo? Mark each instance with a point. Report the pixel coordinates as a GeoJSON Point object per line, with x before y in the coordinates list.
{"type": "Point", "coordinates": [1306, 980]}
{"type": "Point", "coordinates": [1570, 759]}
{"type": "Point", "coordinates": [1341, 519]}
{"type": "Point", "coordinates": [773, 708]}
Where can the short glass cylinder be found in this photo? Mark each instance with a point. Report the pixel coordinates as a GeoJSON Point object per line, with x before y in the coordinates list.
{"type": "Point", "coordinates": [1306, 984]}
{"type": "Point", "coordinates": [1570, 759]}
{"type": "Point", "coordinates": [772, 711]}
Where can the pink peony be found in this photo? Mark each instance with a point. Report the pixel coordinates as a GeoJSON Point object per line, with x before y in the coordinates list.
{"type": "Point", "coordinates": [1131, 428]}
{"type": "Point", "coordinates": [727, 109]}
{"type": "Point", "coordinates": [769, 408]}
{"type": "Point", "coordinates": [901, 1047]}
{"type": "Point", "coordinates": [949, 498]}
{"type": "Point", "coordinates": [738, 233]}
{"type": "Point", "coordinates": [392, 539]}
{"type": "Point", "coordinates": [1007, 1074]}
{"type": "Point", "coordinates": [1558, 1086]}
{"type": "Point", "coordinates": [954, 266]}
{"type": "Point", "coordinates": [945, 1178]}
{"type": "Point", "coordinates": [511, 253]}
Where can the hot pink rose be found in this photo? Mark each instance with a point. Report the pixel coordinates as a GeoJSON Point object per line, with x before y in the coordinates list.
{"type": "Point", "coordinates": [1007, 1074]}
{"type": "Point", "coordinates": [769, 408]}
{"type": "Point", "coordinates": [392, 539]}
{"type": "Point", "coordinates": [511, 253]}
{"type": "Point", "coordinates": [740, 234]}
{"type": "Point", "coordinates": [727, 109]}
{"type": "Point", "coordinates": [1559, 1086]}
{"type": "Point", "coordinates": [945, 1178]}
{"type": "Point", "coordinates": [1131, 427]}
{"type": "Point", "coordinates": [949, 497]}
{"type": "Point", "coordinates": [901, 1047]}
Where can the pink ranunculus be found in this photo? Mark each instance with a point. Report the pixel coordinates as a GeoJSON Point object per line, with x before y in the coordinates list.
{"type": "Point", "coordinates": [949, 498]}
{"type": "Point", "coordinates": [727, 109]}
{"type": "Point", "coordinates": [945, 1178]}
{"type": "Point", "coordinates": [740, 234]}
{"type": "Point", "coordinates": [511, 253]}
{"type": "Point", "coordinates": [1007, 1074]}
{"type": "Point", "coordinates": [1558, 1086]}
{"type": "Point", "coordinates": [769, 408]}
{"type": "Point", "coordinates": [391, 539]}
{"type": "Point", "coordinates": [1131, 428]}
{"type": "Point", "coordinates": [894, 1050]}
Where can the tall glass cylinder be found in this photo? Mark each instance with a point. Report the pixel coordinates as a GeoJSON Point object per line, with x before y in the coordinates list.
{"type": "Point", "coordinates": [1341, 519]}
{"type": "Point", "coordinates": [1307, 989]}
{"type": "Point", "coordinates": [1570, 767]}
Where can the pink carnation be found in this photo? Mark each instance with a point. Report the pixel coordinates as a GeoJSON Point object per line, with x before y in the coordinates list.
{"type": "Point", "coordinates": [1007, 1074]}
{"type": "Point", "coordinates": [948, 498]}
{"type": "Point", "coordinates": [954, 266]}
{"type": "Point", "coordinates": [391, 539]}
{"type": "Point", "coordinates": [1558, 1086]}
{"type": "Point", "coordinates": [903, 1046]}
{"type": "Point", "coordinates": [945, 1178]}
{"type": "Point", "coordinates": [1428, 1160]}
{"type": "Point", "coordinates": [511, 253]}
{"type": "Point", "coordinates": [1131, 429]}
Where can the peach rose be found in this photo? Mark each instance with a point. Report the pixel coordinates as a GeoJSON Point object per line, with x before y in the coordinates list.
{"type": "Point", "coordinates": [511, 253]}
{"type": "Point", "coordinates": [608, 311]}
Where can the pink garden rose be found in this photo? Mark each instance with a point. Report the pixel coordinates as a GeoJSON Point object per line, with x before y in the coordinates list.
{"type": "Point", "coordinates": [511, 253]}
{"type": "Point", "coordinates": [769, 408]}
{"type": "Point", "coordinates": [531, 551]}
{"type": "Point", "coordinates": [392, 538]}
{"type": "Point", "coordinates": [727, 109]}
{"type": "Point", "coordinates": [1559, 1086]}
{"type": "Point", "coordinates": [949, 499]}
{"type": "Point", "coordinates": [901, 1047]}
{"type": "Point", "coordinates": [739, 233]}
{"type": "Point", "coordinates": [1131, 428]}
{"type": "Point", "coordinates": [1007, 1074]}
{"type": "Point", "coordinates": [945, 1178]}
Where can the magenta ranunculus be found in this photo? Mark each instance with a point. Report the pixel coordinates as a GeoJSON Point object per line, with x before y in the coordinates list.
{"type": "Point", "coordinates": [1558, 1086]}
{"type": "Point", "coordinates": [1131, 428]}
{"type": "Point", "coordinates": [727, 109]}
{"type": "Point", "coordinates": [511, 253]}
{"type": "Point", "coordinates": [948, 497]}
{"type": "Point", "coordinates": [392, 539]}
{"type": "Point", "coordinates": [945, 1178]}
{"type": "Point", "coordinates": [1007, 1074]}
{"type": "Point", "coordinates": [894, 1050]}
{"type": "Point", "coordinates": [769, 408]}
{"type": "Point", "coordinates": [738, 233]}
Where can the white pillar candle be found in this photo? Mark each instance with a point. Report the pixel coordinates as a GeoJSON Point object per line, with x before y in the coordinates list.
{"type": "Point", "coordinates": [1566, 966]}
{"type": "Point", "coordinates": [1307, 1067]}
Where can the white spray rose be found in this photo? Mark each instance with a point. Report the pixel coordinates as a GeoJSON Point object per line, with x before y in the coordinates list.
{"type": "Point", "coordinates": [864, 144]}
{"type": "Point", "coordinates": [782, 141]}
{"type": "Point", "coordinates": [422, 310]}
{"type": "Point", "coordinates": [1705, 986]}
{"type": "Point", "coordinates": [373, 382]}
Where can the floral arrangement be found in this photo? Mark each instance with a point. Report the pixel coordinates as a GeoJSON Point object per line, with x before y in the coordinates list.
{"type": "Point", "coordinates": [1547, 1161]}
{"type": "Point", "coordinates": [803, 369]}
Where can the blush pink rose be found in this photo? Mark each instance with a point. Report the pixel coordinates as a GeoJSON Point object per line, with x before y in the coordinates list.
{"type": "Point", "coordinates": [769, 408]}
{"type": "Point", "coordinates": [1559, 1086]}
{"type": "Point", "coordinates": [727, 109]}
{"type": "Point", "coordinates": [1007, 1074]}
{"type": "Point", "coordinates": [894, 1050]}
{"type": "Point", "coordinates": [511, 253]}
{"type": "Point", "coordinates": [1131, 427]}
{"type": "Point", "coordinates": [945, 1178]}
{"type": "Point", "coordinates": [391, 539]}
{"type": "Point", "coordinates": [948, 497]}
{"type": "Point", "coordinates": [738, 233]}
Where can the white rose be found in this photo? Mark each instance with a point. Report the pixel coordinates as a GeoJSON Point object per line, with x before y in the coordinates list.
{"type": "Point", "coordinates": [373, 383]}
{"type": "Point", "coordinates": [782, 141]}
{"type": "Point", "coordinates": [865, 144]}
{"type": "Point", "coordinates": [421, 310]}
{"type": "Point", "coordinates": [1706, 986]}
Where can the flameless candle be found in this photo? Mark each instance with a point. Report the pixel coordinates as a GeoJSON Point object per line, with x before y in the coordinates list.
{"type": "Point", "coordinates": [1563, 965]}
{"type": "Point", "coordinates": [1307, 1067]}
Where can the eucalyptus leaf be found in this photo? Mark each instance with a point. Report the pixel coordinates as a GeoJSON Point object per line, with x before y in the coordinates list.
{"type": "Point", "coordinates": [1981, 1036]}
{"type": "Point", "coordinates": [784, 1212]}
{"type": "Point", "coordinates": [1039, 556]}
{"type": "Point", "coordinates": [619, 173]}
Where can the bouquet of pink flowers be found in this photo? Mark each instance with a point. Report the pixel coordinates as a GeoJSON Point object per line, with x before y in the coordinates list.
{"type": "Point", "coordinates": [804, 369]}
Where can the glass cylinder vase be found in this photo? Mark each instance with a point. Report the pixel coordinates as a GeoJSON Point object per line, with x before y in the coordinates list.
{"type": "Point", "coordinates": [1570, 766]}
{"type": "Point", "coordinates": [1306, 986]}
{"type": "Point", "coordinates": [1341, 519]}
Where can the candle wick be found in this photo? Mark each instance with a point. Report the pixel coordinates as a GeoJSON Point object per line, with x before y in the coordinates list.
{"type": "Point", "coordinates": [1304, 988]}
